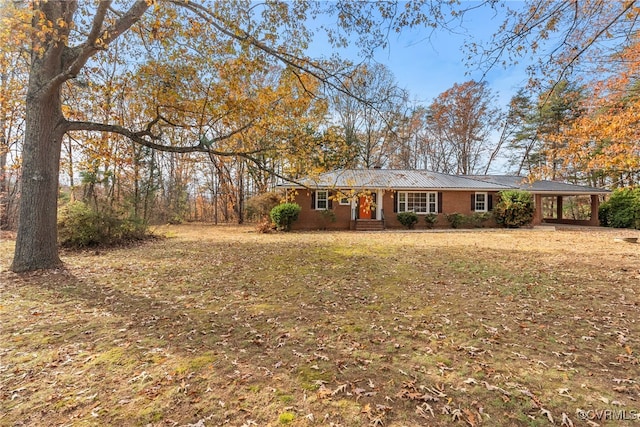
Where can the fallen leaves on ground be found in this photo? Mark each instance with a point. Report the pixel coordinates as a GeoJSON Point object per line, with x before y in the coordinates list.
{"type": "Point", "coordinates": [221, 325]}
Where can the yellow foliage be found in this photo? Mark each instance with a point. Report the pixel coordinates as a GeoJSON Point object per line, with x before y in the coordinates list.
{"type": "Point", "coordinates": [606, 138]}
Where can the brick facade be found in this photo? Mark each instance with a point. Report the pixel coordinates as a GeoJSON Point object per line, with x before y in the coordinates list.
{"type": "Point", "coordinates": [312, 219]}
{"type": "Point", "coordinates": [454, 196]}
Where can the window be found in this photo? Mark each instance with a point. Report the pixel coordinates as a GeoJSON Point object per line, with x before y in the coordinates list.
{"type": "Point", "coordinates": [345, 200]}
{"type": "Point", "coordinates": [480, 202]}
{"type": "Point", "coordinates": [322, 200]}
{"type": "Point", "coordinates": [421, 203]}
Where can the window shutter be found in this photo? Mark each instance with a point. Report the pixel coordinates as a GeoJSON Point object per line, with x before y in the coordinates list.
{"type": "Point", "coordinates": [330, 200]}
{"type": "Point", "coordinates": [395, 201]}
{"type": "Point", "coordinates": [490, 202]}
{"type": "Point", "coordinates": [313, 200]}
{"type": "Point", "coordinates": [439, 201]}
{"type": "Point", "coordinates": [473, 202]}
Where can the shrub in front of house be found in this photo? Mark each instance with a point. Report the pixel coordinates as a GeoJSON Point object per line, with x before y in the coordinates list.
{"type": "Point", "coordinates": [456, 220]}
{"type": "Point", "coordinates": [514, 209]}
{"type": "Point", "coordinates": [325, 217]}
{"type": "Point", "coordinates": [431, 220]}
{"type": "Point", "coordinates": [408, 219]}
{"type": "Point", "coordinates": [622, 210]}
{"type": "Point", "coordinates": [284, 215]}
{"type": "Point", "coordinates": [478, 219]}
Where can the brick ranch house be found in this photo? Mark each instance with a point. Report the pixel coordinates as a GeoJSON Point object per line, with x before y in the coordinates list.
{"type": "Point", "coordinates": [369, 199]}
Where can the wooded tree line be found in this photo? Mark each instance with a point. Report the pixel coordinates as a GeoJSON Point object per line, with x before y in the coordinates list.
{"type": "Point", "coordinates": [176, 110]}
{"type": "Point", "coordinates": [462, 131]}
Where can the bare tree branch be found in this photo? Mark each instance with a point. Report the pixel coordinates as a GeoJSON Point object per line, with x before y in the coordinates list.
{"type": "Point", "coordinates": [148, 139]}
{"type": "Point", "coordinates": [79, 55]}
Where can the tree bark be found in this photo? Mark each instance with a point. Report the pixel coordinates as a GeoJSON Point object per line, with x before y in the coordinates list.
{"type": "Point", "coordinates": [4, 182]}
{"type": "Point", "coordinates": [36, 242]}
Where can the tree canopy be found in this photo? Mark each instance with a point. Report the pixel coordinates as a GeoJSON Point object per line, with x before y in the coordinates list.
{"type": "Point", "coordinates": [233, 82]}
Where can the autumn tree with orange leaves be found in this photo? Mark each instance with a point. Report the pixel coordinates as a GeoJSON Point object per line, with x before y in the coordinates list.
{"type": "Point", "coordinates": [462, 118]}
{"type": "Point", "coordinates": [603, 144]}
{"type": "Point", "coordinates": [13, 78]}
{"type": "Point", "coordinates": [168, 40]}
{"type": "Point", "coordinates": [593, 45]}
{"type": "Point", "coordinates": [190, 61]}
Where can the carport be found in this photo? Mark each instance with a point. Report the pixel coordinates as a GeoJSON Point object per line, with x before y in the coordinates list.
{"type": "Point", "coordinates": [552, 198]}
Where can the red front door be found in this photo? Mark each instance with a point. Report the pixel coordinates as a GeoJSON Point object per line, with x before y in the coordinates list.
{"type": "Point", "coordinates": [364, 205]}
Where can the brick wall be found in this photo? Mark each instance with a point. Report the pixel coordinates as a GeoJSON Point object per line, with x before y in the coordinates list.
{"type": "Point", "coordinates": [311, 219]}
{"type": "Point", "coordinates": [452, 201]}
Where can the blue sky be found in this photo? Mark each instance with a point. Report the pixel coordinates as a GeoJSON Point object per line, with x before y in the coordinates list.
{"type": "Point", "coordinates": [429, 66]}
{"type": "Point", "coordinates": [427, 63]}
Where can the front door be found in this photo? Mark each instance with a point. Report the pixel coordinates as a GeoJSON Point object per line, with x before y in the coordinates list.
{"type": "Point", "coordinates": [366, 205]}
{"type": "Point", "coordinates": [365, 208]}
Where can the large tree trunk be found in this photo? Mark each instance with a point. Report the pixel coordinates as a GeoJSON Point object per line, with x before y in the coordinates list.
{"type": "Point", "coordinates": [36, 243]}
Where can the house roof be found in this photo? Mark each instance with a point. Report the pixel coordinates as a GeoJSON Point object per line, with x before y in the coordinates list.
{"type": "Point", "coordinates": [396, 179]}
{"type": "Point", "coordinates": [541, 186]}
{"type": "Point", "coordinates": [426, 180]}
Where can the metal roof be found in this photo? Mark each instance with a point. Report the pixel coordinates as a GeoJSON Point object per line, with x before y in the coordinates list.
{"type": "Point", "coordinates": [540, 186]}
{"type": "Point", "coordinates": [397, 179]}
{"type": "Point", "coordinates": [426, 180]}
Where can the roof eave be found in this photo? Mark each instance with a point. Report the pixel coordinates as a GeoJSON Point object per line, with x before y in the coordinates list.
{"type": "Point", "coordinates": [569, 193]}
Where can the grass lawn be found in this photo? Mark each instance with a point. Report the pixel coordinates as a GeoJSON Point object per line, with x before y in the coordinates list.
{"type": "Point", "coordinates": [224, 326]}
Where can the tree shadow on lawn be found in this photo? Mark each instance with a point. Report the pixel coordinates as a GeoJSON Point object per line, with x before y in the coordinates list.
{"type": "Point", "coordinates": [171, 330]}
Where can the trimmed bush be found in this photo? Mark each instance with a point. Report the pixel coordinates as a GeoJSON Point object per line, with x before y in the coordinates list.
{"type": "Point", "coordinates": [431, 220]}
{"type": "Point", "coordinates": [80, 226]}
{"type": "Point", "coordinates": [408, 219]}
{"type": "Point", "coordinates": [284, 215]}
{"type": "Point", "coordinates": [456, 220]}
{"type": "Point", "coordinates": [515, 208]}
{"type": "Point", "coordinates": [325, 217]}
{"type": "Point", "coordinates": [622, 210]}
{"type": "Point", "coordinates": [478, 219]}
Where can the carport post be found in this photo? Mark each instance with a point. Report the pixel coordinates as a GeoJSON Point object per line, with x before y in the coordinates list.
{"type": "Point", "coordinates": [559, 207]}
{"type": "Point", "coordinates": [537, 203]}
{"type": "Point", "coordinates": [595, 205]}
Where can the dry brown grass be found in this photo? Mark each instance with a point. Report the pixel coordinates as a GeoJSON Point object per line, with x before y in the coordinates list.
{"type": "Point", "coordinates": [225, 326]}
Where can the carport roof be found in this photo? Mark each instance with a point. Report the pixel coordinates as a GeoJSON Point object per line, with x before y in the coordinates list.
{"type": "Point", "coordinates": [539, 187]}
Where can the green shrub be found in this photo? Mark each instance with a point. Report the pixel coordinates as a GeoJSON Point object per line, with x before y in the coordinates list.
{"type": "Point", "coordinates": [479, 218]}
{"type": "Point", "coordinates": [456, 220]}
{"type": "Point", "coordinates": [131, 228]}
{"type": "Point", "coordinates": [431, 220]}
{"type": "Point", "coordinates": [284, 215]}
{"type": "Point", "coordinates": [622, 210]}
{"type": "Point", "coordinates": [408, 219]}
{"type": "Point", "coordinates": [514, 209]}
{"type": "Point", "coordinates": [80, 226]}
